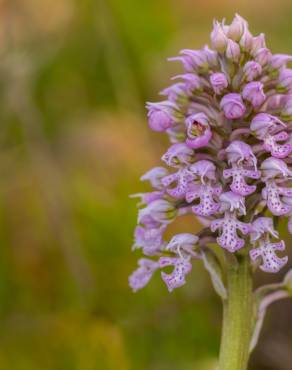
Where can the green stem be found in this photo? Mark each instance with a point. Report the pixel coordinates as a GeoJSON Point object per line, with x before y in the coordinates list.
{"type": "Point", "coordinates": [237, 316]}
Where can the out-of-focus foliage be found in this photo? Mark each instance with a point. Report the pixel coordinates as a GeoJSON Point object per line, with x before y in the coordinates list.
{"type": "Point", "coordinates": [74, 76]}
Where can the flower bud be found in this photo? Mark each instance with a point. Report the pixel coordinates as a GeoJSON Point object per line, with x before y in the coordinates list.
{"type": "Point", "coordinates": [219, 82]}
{"type": "Point", "coordinates": [254, 93]}
{"type": "Point", "coordinates": [174, 92]}
{"type": "Point", "coordinates": [218, 37]}
{"type": "Point", "coordinates": [237, 27]}
{"type": "Point", "coordinates": [233, 106]}
{"type": "Point", "coordinates": [159, 121]}
{"type": "Point", "coordinates": [246, 40]}
{"type": "Point", "coordinates": [258, 42]}
{"type": "Point", "coordinates": [212, 56]}
{"type": "Point", "coordinates": [285, 80]}
{"type": "Point", "coordinates": [192, 82]}
{"type": "Point", "coordinates": [286, 113]}
{"type": "Point", "coordinates": [233, 51]}
{"type": "Point", "coordinates": [197, 59]}
{"type": "Point", "coordinates": [280, 60]}
{"type": "Point", "coordinates": [186, 62]}
{"type": "Point", "coordinates": [160, 115]}
{"type": "Point", "coordinates": [252, 70]}
{"type": "Point", "coordinates": [262, 56]}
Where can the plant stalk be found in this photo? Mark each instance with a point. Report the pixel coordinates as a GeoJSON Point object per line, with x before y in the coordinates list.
{"type": "Point", "coordinates": [237, 316]}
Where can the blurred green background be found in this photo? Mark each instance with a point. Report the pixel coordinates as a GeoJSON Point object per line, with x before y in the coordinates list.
{"type": "Point", "coordinates": [74, 76]}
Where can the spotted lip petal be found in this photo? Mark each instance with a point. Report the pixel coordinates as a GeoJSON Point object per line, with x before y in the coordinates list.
{"type": "Point", "coordinates": [270, 261]}
{"type": "Point", "coordinates": [149, 239]}
{"type": "Point", "coordinates": [273, 194]}
{"type": "Point", "coordinates": [182, 178]}
{"type": "Point", "coordinates": [239, 186]}
{"type": "Point", "coordinates": [278, 150]}
{"type": "Point", "coordinates": [143, 274]}
{"type": "Point", "coordinates": [229, 225]}
{"type": "Point", "coordinates": [176, 278]}
{"type": "Point", "coordinates": [207, 206]}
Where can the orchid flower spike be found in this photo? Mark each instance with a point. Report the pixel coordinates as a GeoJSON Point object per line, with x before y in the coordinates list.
{"type": "Point", "coordinates": [228, 117]}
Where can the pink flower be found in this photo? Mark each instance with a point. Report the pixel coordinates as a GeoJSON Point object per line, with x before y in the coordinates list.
{"type": "Point", "coordinates": [160, 115]}
{"type": "Point", "coordinates": [182, 267]}
{"type": "Point", "coordinates": [238, 152]}
{"type": "Point", "coordinates": [252, 70]}
{"type": "Point", "coordinates": [237, 28]}
{"type": "Point", "coordinates": [229, 159]}
{"type": "Point", "coordinates": [239, 186]}
{"type": "Point", "coordinates": [229, 226]}
{"type": "Point", "coordinates": [232, 106]}
{"type": "Point", "coordinates": [198, 131]}
{"type": "Point", "coordinates": [218, 37]}
{"type": "Point", "coordinates": [270, 261]}
{"type": "Point", "coordinates": [219, 82]}
{"type": "Point", "coordinates": [285, 79]}
{"type": "Point", "coordinates": [254, 93]}
{"type": "Point", "coordinates": [143, 274]}
{"type": "Point", "coordinates": [233, 51]}
{"type": "Point", "coordinates": [262, 56]}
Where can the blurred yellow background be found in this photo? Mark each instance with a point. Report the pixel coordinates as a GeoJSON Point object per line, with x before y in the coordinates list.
{"type": "Point", "coordinates": [74, 76]}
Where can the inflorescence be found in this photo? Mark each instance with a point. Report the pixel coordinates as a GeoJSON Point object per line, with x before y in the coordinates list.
{"type": "Point", "coordinates": [228, 121]}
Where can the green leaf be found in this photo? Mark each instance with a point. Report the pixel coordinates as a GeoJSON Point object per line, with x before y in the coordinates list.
{"type": "Point", "coordinates": [212, 265]}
